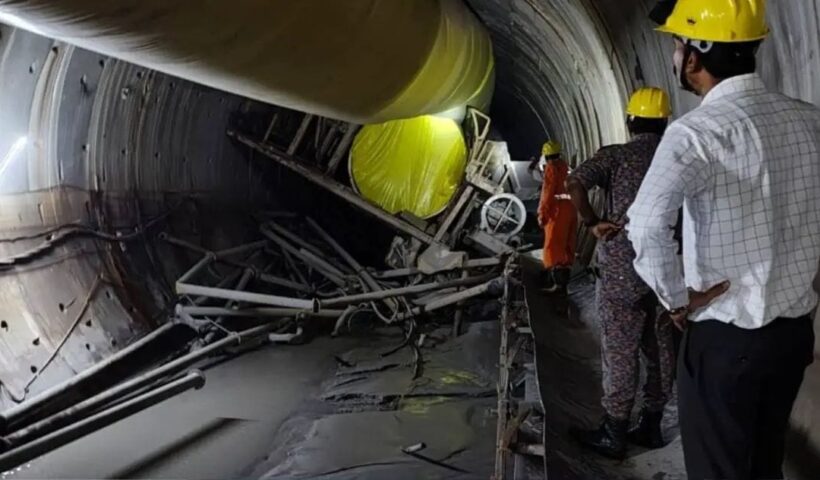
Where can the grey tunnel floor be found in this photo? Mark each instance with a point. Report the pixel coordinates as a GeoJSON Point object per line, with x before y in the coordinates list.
{"type": "Point", "coordinates": [296, 412]}
{"type": "Point", "coordinates": [567, 349]}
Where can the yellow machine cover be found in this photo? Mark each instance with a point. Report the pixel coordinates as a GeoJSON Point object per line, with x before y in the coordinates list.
{"type": "Point", "coordinates": [363, 61]}
{"type": "Point", "coordinates": [413, 165]}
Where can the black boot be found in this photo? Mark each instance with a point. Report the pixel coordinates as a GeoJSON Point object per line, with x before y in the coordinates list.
{"type": "Point", "coordinates": [561, 277]}
{"type": "Point", "coordinates": [548, 279]}
{"type": "Point", "coordinates": [647, 433]}
{"type": "Point", "coordinates": [608, 440]}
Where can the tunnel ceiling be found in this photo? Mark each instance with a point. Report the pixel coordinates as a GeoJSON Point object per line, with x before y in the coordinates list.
{"type": "Point", "coordinates": [87, 138]}
{"type": "Point", "coordinates": [566, 68]}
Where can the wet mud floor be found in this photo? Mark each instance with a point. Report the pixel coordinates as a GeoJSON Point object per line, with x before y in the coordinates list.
{"type": "Point", "coordinates": [330, 409]}
{"type": "Point", "coordinates": [567, 350]}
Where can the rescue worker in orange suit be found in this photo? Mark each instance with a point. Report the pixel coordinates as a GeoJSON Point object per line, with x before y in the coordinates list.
{"type": "Point", "coordinates": [558, 218]}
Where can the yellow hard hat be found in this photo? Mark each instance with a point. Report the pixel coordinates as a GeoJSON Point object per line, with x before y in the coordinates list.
{"type": "Point", "coordinates": [551, 148]}
{"type": "Point", "coordinates": [725, 21]}
{"type": "Point", "coordinates": [649, 102]}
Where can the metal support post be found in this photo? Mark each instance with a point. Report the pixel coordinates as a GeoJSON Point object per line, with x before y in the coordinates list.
{"type": "Point", "coordinates": [459, 310]}
{"type": "Point", "coordinates": [271, 126]}
{"type": "Point", "coordinates": [342, 148]}
{"type": "Point", "coordinates": [503, 387]}
{"type": "Point", "coordinates": [300, 134]}
{"type": "Point", "coordinates": [466, 195]}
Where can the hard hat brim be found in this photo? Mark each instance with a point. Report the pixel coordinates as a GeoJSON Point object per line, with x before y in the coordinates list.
{"type": "Point", "coordinates": [651, 117]}
{"type": "Point", "coordinates": [687, 35]}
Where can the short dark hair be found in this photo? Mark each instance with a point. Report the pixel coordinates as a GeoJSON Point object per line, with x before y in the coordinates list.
{"type": "Point", "coordinates": [727, 60]}
{"type": "Point", "coordinates": [639, 125]}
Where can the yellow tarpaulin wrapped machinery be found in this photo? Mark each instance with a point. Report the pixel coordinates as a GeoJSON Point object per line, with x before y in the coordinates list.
{"type": "Point", "coordinates": [413, 165]}
{"type": "Point", "coordinates": [363, 61]}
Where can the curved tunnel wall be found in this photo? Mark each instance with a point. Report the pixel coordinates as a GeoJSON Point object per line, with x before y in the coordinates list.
{"type": "Point", "coordinates": [111, 142]}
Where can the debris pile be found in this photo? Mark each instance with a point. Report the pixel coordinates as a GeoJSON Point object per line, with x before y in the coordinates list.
{"type": "Point", "coordinates": [298, 271]}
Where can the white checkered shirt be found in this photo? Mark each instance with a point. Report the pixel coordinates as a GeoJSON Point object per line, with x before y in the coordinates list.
{"type": "Point", "coordinates": [745, 166]}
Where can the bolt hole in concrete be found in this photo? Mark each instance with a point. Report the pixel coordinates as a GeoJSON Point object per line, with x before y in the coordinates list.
{"type": "Point", "coordinates": [88, 346]}
{"type": "Point", "coordinates": [88, 323]}
{"type": "Point", "coordinates": [62, 308]}
{"type": "Point", "coordinates": [33, 369]}
{"type": "Point", "coordinates": [36, 342]}
{"type": "Point", "coordinates": [4, 325]}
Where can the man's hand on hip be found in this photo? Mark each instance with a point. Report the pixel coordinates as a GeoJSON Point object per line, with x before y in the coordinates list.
{"type": "Point", "coordinates": [605, 230]}
{"type": "Point", "coordinates": [698, 300]}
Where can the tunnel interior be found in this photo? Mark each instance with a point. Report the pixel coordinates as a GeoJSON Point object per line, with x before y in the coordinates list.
{"type": "Point", "coordinates": [129, 152]}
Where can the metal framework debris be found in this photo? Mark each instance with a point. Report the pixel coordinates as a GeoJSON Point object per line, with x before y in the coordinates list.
{"type": "Point", "coordinates": [514, 408]}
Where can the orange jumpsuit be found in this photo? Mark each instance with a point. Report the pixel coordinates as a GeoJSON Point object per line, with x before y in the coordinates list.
{"type": "Point", "coordinates": [558, 216]}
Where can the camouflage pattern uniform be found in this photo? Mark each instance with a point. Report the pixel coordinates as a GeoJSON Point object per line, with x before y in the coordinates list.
{"type": "Point", "coordinates": [626, 305]}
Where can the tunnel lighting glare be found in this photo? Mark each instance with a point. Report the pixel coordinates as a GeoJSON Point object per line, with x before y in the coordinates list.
{"type": "Point", "coordinates": [15, 150]}
{"type": "Point", "coordinates": [15, 21]}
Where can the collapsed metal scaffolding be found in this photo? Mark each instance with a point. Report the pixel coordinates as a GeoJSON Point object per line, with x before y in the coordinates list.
{"type": "Point", "coordinates": [294, 277]}
{"type": "Point", "coordinates": [319, 278]}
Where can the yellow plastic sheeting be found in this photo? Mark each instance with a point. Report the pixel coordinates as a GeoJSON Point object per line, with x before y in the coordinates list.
{"type": "Point", "coordinates": [364, 61]}
{"type": "Point", "coordinates": [413, 165]}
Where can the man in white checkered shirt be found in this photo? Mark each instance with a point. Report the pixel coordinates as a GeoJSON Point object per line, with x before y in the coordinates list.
{"type": "Point", "coordinates": [745, 167]}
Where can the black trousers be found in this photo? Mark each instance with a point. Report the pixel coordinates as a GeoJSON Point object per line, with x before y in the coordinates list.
{"type": "Point", "coordinates": [736, 389]}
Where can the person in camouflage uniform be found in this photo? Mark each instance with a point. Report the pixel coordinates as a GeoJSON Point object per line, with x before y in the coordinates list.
{"type": "Point", "coordinates": [626, 305]}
